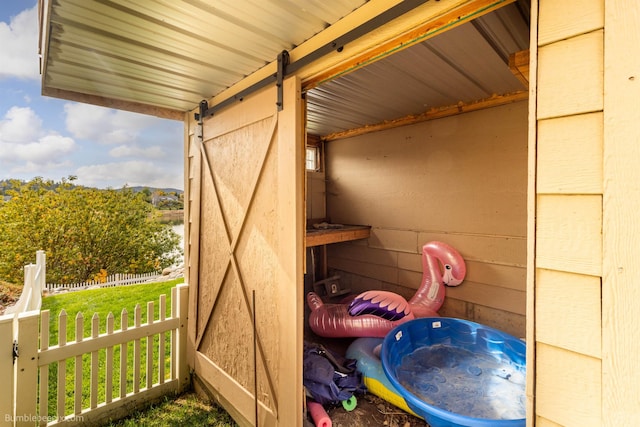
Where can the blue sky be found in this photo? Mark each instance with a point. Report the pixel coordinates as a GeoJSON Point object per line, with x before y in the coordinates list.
{"type": "Point", "coordinates": [54, 138]}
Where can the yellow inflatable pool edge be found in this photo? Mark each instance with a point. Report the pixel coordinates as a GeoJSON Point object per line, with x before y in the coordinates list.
{"type": "Point", "coordinates": [376, 387]}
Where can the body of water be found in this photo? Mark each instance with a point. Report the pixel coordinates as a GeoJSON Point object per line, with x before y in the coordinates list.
{"type": "Point", "coordinates": [179, 229]}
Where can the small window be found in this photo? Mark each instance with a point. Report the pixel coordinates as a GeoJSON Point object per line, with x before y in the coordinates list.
{"type": "Point", "coordinates": [313, 158]}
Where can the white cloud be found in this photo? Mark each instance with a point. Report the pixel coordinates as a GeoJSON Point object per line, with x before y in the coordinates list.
{"type": "Point", "coordinates": [131, 173]}
{"type": "Point", "coordinates": [105, 125]}
{"type": "Point", "coordinates": [25, 146]}
{"type": "Point", "coordinates": [20, 124]}
{"type": "Point", "coordinates": [37, 169]}
{"type": "Point", "coordinates": [44, 149]}
{"type": "Point", "coordinates": [121, 151]}
{"type": "Point", "coordinates": [19, 47]}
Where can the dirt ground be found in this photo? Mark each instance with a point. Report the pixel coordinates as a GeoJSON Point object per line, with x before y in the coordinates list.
{"type": "Point", "coordinates": [9, 294]}
{"type": "Point", "coordinates": [373, 411]}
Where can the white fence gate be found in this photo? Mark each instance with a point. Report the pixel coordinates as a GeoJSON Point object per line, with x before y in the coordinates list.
{"type": "Point", "coordinates": [26, 357]}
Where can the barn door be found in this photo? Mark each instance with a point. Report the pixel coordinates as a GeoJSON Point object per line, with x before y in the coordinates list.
{"type": "Point", "coordinates": [247, 330]}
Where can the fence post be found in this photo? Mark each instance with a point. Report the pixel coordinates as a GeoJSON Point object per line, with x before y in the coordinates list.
{"type": "Point", "coordinates": [34, 299]}
{"type": "Point", "coordinates": [41, 274]}
{"type": "Point", "coordinates": [27, 368]}
{"type": "Point", "coordinates": [7, 371]}
{"type": "Point", "coordinates": [183, 309]}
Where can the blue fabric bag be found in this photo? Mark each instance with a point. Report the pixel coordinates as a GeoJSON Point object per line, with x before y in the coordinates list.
{"type": "Point", "coordinates": [328, 377]}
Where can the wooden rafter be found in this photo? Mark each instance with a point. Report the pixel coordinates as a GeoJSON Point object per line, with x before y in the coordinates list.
{"type": "Point", "coordinates": [519, 66]}
{"type": "Point", "coordinates": [432, 114]}
{"type": "Point", "coordinates": [449, 20]}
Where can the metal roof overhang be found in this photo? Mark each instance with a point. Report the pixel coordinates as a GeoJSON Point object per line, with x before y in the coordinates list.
{"type": "Point", "coordinates": [163, 57]}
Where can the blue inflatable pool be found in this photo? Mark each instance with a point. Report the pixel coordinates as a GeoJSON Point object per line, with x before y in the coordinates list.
{"type": "Point", "coordinates": [454, 372]}
{"type": "Point", "coordinates": [363, 350]}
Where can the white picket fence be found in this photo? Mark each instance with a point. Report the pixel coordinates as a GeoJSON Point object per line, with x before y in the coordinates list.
{"type": "Point", "coordinates": [27, 356]}
{"type": "Point", "coordinates": [118, 279]}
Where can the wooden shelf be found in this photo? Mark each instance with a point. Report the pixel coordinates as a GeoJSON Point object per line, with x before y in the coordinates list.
{"type": "Point", "coordinates": [336, 235]}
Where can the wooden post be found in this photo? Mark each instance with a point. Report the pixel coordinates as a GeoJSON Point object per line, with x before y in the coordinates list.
{"type": "Point", "coordinates": [44, 370]}
{"type": "Point", "coordinates": [174, 334]}
{"type": "Point", "coordinates": [41, 275]}
{"type": "Point", "coordinates": [161, 340]}
{"type": "Point", "coordinates": [62, 365]}
{"type": "Point", "coordinates": [183, 307]}
{"type": "Point", "coordinates": [149, 349]}
{"type": "Point", "coordinates": [78, 366]}
{"type": "Point", "coordinates": [124, 325]}
{"type": "Point", "coordinates": [7, 370]}
{"type": "Point", "coordinates": [136, 351]}
{"type": "Point", "coordinates": [108, 376]}
{"type": "Point", "coordinates": [95, 331]}
{"type": "Point", "coordinates": [27, 368]}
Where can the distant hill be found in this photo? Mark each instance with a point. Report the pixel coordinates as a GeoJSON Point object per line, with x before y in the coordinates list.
{"type": "Point", "coordinates": [9, 184]}
{"type": "Point", "coordinates": [139, 188]}
{"type": "Point", "coordinates": [160, 198]}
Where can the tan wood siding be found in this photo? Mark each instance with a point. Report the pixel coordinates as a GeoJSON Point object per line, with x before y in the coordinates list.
{"type": "Point", "coordinates": [543, 422]}
{"type": "Point", "coordinates": [568, 311]}
{"type": "Point", "coordinates": [621, 271]}
{"type": "Point", "coordinates": [570, 76]}
{"type": "Point", "coordinates": [459, 179]}
{"type": "Point", "coordinates": [569, 234]}
{"type": "Point", "coordinates": [568, 18]}
{"type": "Point", "coordinates": [568, 387]}
{"type": "Point", "coordinates": [569, 251]}
{"type": "Point", "coordinates": [570, 155]}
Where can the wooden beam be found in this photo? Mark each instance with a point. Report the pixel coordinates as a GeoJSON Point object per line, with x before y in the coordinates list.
{"type": "Point", "coordinates": [519, 66]}
{"type": "Point", "coordinates": [425, 31]}
{"type": "Point", "coordinates": [432, 114]}
{"type": "Point", "coordinates": [117, 104]}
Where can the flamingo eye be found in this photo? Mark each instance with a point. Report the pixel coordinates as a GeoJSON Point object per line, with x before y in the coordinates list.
{"type": "Point", "coordinates": [447, 267]}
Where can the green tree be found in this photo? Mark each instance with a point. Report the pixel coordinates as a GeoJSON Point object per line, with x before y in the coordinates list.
{"type": "Point", "coordinates": [83, 231]}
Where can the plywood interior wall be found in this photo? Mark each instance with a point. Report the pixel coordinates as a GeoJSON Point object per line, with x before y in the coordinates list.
{"type": "Point", "coordinates": [462, 180]}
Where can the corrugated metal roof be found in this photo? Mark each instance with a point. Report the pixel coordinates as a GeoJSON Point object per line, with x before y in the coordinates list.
{"type": "Point", "coordinates": [464, 64]}
{"type": "Point", "coordinates": [172, 53]}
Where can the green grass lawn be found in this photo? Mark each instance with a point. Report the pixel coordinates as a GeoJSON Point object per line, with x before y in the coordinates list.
{"type": "Point", "coordinates": [185, 410]}
{"type": "Point", "coordinates": [114, 300]}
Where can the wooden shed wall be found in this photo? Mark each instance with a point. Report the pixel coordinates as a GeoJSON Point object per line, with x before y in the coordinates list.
{"type": "Point", "coordinates": [621, 204]}
{"type": "Point", "coordinates": [586, 279]}
{"type": "Point", "coordinates": [569, 214]}
{"type": "Point", "coordinates": [460, 179]}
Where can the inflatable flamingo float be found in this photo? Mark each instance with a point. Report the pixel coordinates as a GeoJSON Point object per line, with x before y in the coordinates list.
{"type": "Point", "coordinates": [374, 313]}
